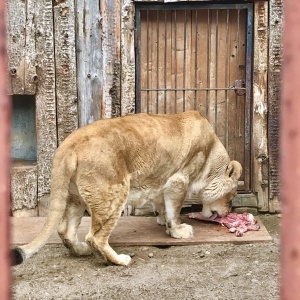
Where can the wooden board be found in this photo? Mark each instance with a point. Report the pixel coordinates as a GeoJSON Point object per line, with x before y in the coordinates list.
{"type": "Point", "coordinates": [89, 61]}
{"type": "Point", "coordinates": [65, 68]}
{"type": "Point", "coordinates": [134, 231]}
{"type": "Point", "coordinates": [23, 186]}
{"type": "Point", "coordinates": [21, 47]}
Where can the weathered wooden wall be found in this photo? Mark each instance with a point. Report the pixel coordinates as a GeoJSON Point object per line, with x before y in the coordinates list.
{"type": "Point", "coordinates": [78, 60]}
{"type": "Point", "coordinates": [31, 67]}
{"type": "Point", "coordinates": [67, 54]}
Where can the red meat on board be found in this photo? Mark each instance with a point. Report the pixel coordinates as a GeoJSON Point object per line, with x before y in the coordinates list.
{"type": "Point", "coordinates": [237, 223]}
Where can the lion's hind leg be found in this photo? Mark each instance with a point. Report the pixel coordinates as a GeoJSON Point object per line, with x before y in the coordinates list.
{"type": "Point", "coordinates": [67, 230]}
{"type": "Point", "coordinates": [106, 208]}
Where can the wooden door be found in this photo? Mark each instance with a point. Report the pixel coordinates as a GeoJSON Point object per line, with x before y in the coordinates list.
{"type": "Point", "coordinates": [198, 56]}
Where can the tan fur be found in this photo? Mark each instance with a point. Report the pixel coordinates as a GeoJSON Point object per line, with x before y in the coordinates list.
{"type": "Point", "coordinates": [137, 158]}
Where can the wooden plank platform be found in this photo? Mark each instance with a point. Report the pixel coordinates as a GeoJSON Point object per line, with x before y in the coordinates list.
{"type": "Point", "coordinates": [135, 231]}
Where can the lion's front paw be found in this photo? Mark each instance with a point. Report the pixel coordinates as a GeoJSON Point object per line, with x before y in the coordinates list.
{"type": "Point", "coordinates": [182, 231]}
{"type": "Point", "coordinates": [124, 260]}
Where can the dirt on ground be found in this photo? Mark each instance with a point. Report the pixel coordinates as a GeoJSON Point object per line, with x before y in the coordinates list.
{"type": "Point", "coordinates": [210, 272]}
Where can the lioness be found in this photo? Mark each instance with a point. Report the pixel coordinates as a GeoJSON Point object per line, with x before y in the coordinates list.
{"type": "Point", "coordinates": [137, 158]}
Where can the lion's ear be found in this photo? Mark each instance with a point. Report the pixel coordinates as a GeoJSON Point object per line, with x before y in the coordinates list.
{"type": "Point", "coordinates": [234, 170]}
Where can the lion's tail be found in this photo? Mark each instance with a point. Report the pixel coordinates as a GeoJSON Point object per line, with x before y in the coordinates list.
{"type": "Point", "coordinates": [62, 171]}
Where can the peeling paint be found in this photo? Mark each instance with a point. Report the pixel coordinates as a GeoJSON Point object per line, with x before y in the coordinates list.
{"type": "Point", "coordinates": [261, 108]}
{"type": "Point", "coordinates": [64, 11]}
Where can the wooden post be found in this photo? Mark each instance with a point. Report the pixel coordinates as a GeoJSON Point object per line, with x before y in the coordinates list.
{"type": "Point", "coordinates": [45, 100]}
{"type": "Point", "coordinates": [65, 69]}
{"type": "Point", "coordinates": [127, 58]}
{"type": "Point", "coordinates": [21, 47]}
{"type": "Point", "coordinates": [89, 60]}
{"type": "Point", "coordinates": [289, 154]}
{"type": "Point", "coordinates": [274, 84]}
{"type": "Point", "coordinates": [110, 14]}
{"type": "Point", "coordinates": [260, 105]}
{"type": "Point", "coordinates": [5, 124]}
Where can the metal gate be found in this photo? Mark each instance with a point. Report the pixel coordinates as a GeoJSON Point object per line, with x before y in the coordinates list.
{"type": "Point", "coordinates": [199, 56]}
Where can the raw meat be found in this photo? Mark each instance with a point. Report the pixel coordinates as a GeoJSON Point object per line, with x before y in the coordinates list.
{"type": "Point", "coordinates": [238, 223]}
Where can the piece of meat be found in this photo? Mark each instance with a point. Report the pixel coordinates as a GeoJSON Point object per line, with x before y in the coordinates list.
{"type": "Point", "coordinates": [238, 223]}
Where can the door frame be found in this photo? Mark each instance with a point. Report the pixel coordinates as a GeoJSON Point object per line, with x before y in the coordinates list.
{"type": "Point", "coordinates": [246, 188]}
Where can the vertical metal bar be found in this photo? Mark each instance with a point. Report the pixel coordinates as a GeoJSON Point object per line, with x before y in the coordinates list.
{"type": "Point", "coordinates": [216, 71]}
{"type": "Point", "coordinates": [236, 76]}
{"type": "Point", "coordinates": [248, 95]}
{"type": "Point", "coordinates": [184, 61]}
{"type": "Point", "coordinates": [196, 58]}
{"type": "Point", "coordinates": [175, 56]}
{"type": "Point", "coordinates": [226, 79]}
{"type": "Point", "coordinates": [237, 45]}
{"type": "Point", "coordinates": [290, 158]}
{"type": "Point", "coordinates": [138, 61]}
{"type": "Point", "coordinates": [5, 124]}
{"type": "Point", "coordinates": [165, 65]}
{"type": "Point", "coordinates": [148, 80]}
{"type": "Point", "coordinates": [208, 64]}
{"type": "Point", "coordinates": [157, 58]}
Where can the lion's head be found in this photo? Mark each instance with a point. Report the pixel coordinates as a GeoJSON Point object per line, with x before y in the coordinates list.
{"type": "Point", "coordinates": [217, 196]}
